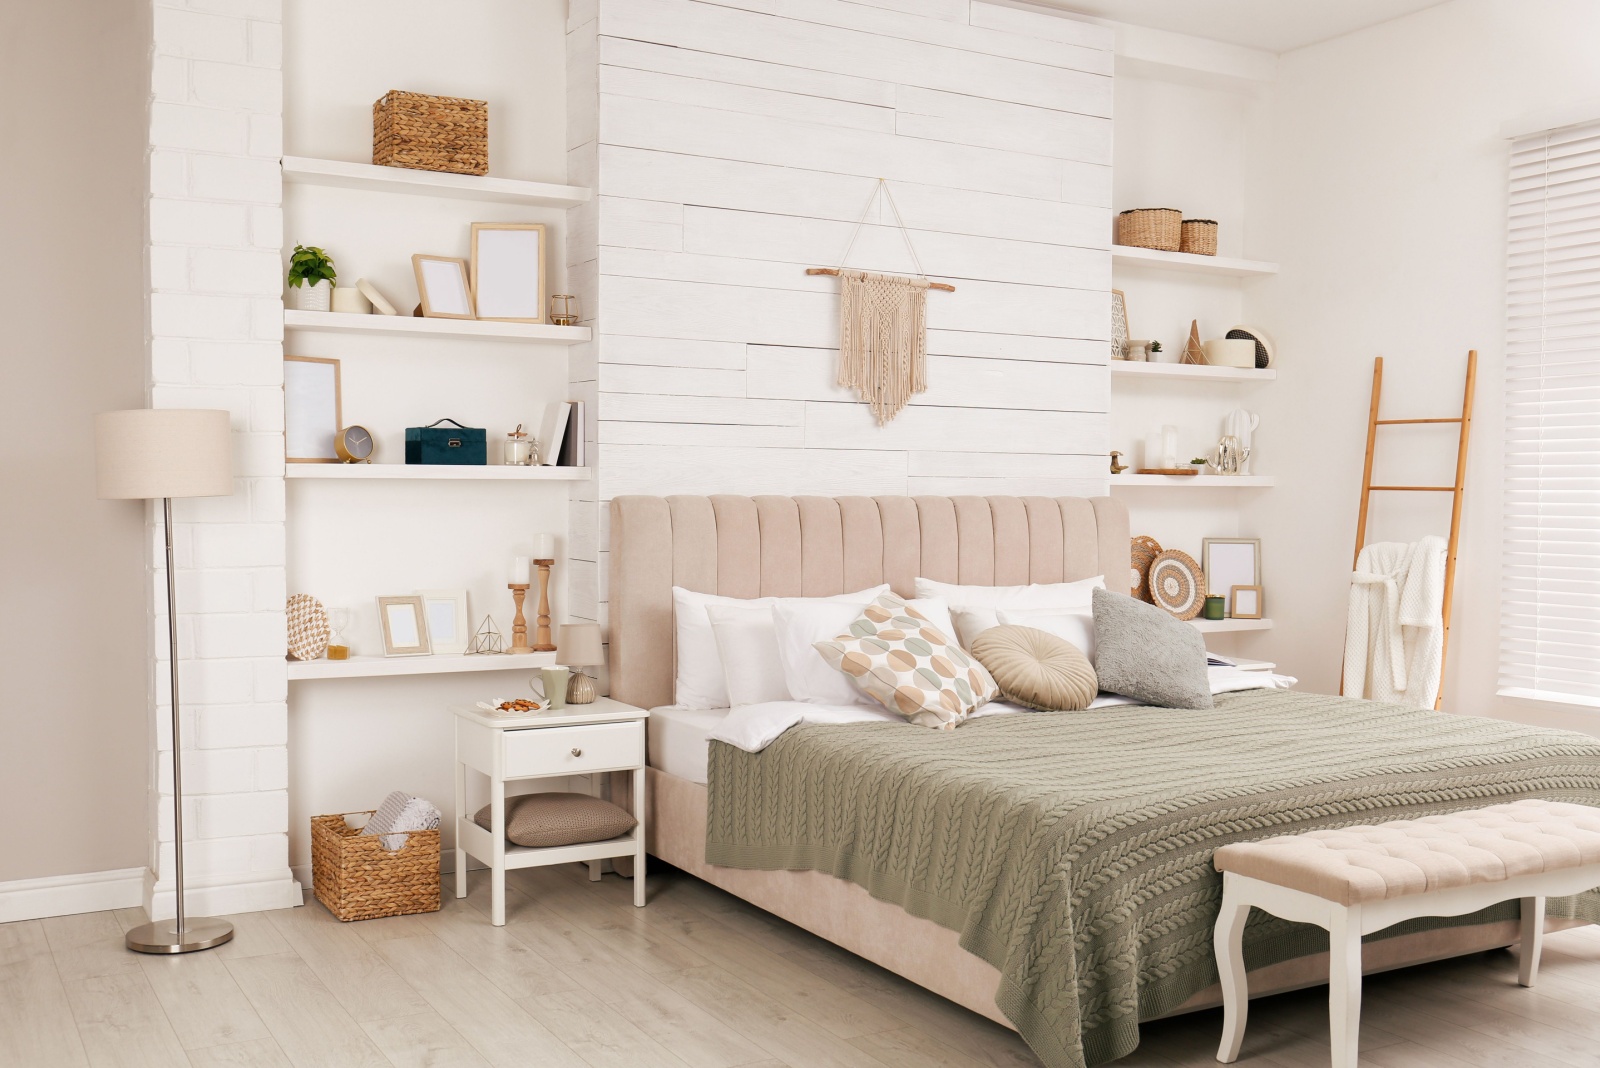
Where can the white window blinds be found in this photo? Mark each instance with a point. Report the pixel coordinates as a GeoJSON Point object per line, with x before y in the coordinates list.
{"type": "Point", "coordinates": [1550, 603]}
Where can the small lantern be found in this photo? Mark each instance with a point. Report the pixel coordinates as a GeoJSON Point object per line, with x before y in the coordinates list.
{"type": "Point", "coordinates": [563, 309]}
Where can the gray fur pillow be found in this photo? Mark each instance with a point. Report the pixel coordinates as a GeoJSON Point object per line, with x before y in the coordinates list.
{"type": "Point", "coordinates": [1145, 653]}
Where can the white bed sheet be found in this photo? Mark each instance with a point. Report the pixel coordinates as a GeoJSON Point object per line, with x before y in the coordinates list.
{"type": "Point", "coordinates": [676, 740]}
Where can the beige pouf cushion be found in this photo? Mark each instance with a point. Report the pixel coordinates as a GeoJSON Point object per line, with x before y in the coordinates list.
{"type": "Point", "coordinates": [558, 819]}
{"type": "Point", "coordinates": [1353, 865]}
{"type": "Point", "coordinates": [1037, 669]}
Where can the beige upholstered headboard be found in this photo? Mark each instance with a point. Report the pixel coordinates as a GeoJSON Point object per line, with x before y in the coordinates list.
{"type": "Point", "coordinates": [819, 546]}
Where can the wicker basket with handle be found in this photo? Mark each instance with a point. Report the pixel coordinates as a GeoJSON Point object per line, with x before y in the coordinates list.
{"type": "Point", "coordinates": [1157, 228]}
{"type": "Point", "coordinates": [1199, 237]}
{"type": "Point", "coordinates": [357, 879]}
{"type": "Point", "coordinates": [430, 133]}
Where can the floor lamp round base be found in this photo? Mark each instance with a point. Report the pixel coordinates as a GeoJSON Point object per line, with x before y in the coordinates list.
{"type": "Point", "coordinates": [163, 936]}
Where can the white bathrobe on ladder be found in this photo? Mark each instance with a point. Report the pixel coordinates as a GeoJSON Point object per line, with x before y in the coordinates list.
{"type": "Point", "coordinates": [1394, 636]}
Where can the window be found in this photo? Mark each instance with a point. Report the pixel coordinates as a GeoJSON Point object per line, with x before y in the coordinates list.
{"type": "Point", "coordinates": [1550, 603]}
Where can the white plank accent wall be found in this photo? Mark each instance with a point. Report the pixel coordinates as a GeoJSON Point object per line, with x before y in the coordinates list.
{"type": "Point", "coordinates": [732, 144]}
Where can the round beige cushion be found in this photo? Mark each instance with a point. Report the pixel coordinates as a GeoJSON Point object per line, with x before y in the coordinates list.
{"type": "Point", "coordinates": [558, 819]}
{"type": "Point", "coordinates": [1036, 669]}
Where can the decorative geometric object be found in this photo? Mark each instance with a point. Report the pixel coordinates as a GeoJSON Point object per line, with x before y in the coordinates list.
{"type": "Point", "coordinates": [1142, 554]}
{"type": "Point", "coordinates": [1193, 352]}
{"type": "Point", "coordinates": [1119, 325]}
{"type": "Point", "coordinates": [308, 627]}
{"type": "Point", "coordinates": [487, 640]}
{"type": "Point", "coordinates": [1177, 584]}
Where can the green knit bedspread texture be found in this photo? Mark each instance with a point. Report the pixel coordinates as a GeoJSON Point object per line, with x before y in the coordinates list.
{"type": "Point", "coordinates": [1072, 850]}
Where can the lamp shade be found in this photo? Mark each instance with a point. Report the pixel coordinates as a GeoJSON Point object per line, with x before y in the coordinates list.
{"type": "Point", "coordinates": [579, 645]}
{"type": "Point", "coordinates": [163, 452]}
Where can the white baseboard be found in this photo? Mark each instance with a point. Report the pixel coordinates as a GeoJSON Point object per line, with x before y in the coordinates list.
{"type": "Point", "coordinates": [67, 895]}
{"type": "Point", "coordinates": [222, 895]}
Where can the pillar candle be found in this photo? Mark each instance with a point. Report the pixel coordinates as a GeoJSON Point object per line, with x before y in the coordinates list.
{"type": "Point", "coordinates": [544, 547]}
{"type": "Point", "coordinates": [519, 571]}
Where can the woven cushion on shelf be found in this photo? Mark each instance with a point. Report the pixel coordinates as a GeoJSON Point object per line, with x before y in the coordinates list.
{"type": "Point", "coordinates": [1037, 669]}
{"type": "Point", "coordinates": [557, 819]}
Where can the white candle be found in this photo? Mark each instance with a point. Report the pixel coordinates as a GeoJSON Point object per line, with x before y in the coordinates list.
{"type": "Point", "coordinates": [519, 571]}
{"type": "Point", "coordinates": [544, 546]}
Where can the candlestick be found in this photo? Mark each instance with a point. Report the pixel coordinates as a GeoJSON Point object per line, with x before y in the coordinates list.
{"type": "Point", "coordinates": [519, 570]}
{"type": "Point", "coordinates": [519, 624]}
{"type": "Point", "coordinates": [541, 636]}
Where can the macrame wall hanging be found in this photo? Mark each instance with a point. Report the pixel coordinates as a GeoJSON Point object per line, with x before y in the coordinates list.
{"type": "Point", "coordinates": [883, 326]}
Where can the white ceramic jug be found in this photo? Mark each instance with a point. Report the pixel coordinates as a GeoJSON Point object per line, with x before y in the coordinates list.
{"type": "Point", "coordinates": [1241, 424]}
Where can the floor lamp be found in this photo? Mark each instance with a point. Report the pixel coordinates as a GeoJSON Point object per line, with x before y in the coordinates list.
{"type": "Point", "coordinates": [151, 454]}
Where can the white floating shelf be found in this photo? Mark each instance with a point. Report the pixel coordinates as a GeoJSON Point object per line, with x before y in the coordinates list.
{"type": "Point", "coordinates": [415, 326]}
{"type": "Point", "coordinates": [300, 170]}
{"type": "Point", "coordinates": [1213, 626]}
{"type": "Point", "coordinates": [442, 472]}
{"type": "Point", "coordinates": [1144, 369]}
{"type": "Point", "coordinates": [368, 667]}
{"type": "Point", "coordinates": [1196, 481]}
{"type": "Point", "coordinates": [1188, 261]}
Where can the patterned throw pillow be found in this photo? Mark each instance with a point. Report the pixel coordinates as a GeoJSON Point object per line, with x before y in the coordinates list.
{"type": "Point", "coordinates": [905, 663]}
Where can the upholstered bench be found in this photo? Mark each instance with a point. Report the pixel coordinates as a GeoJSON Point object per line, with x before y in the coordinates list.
{"type": "Point", "coordinates": [1357, 880]}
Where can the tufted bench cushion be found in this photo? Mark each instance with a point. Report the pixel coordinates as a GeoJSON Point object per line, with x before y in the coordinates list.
{"type": "Point", "coordinates": [1353, 865]}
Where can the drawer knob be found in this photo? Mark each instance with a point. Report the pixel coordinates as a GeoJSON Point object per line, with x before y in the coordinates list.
{"type": "Point", "coordinates": [577, 752]}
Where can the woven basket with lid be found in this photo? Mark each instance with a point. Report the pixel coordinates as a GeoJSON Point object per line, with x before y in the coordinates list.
{"type": "Point", "coordinates": [357, 879]}
{"type": "Point", "coordinates": [1157, 228]}
{"type": "Point", "coordinates": [430, 133]}
{"type": "Point", "coordinates": [1199, 237]}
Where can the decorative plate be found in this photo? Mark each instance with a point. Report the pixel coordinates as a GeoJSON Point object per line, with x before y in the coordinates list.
{"type": "Point", "coordinates": [1177, 584]}
{"type": "Point", "coordinates": [308, 627]}
{"type": "Point", "coordinates": [1143, 553]}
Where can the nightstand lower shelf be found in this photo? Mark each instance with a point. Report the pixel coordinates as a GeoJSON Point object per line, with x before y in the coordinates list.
{"type": "Point", "coordinates": [480, 843]}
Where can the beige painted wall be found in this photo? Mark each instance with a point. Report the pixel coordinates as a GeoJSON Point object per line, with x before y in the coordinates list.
{"type": "Point", "coordinates": [73, 734]}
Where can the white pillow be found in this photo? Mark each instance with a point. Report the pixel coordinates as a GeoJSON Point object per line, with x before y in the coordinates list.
{"type": "Point", "coordinates": [698, 681]}
{"type": "Point", "coordinates": [1071, 625]}
{"type": "Point", "coordinates": [809, 677]}
{"type": "Point", "coordinates": [748, 646]}
{"type": "Point", "coordinates": [974, 608]}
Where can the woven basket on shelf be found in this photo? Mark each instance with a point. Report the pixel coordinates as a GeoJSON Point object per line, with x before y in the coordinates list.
{"type": "Point", "coordinates": [358, 879]}
{"type": "Point", "coordinates": [1199, 237]}
{"type": "Point", "coordinates": [430, 133]}
{"type": "Point", "coordinates": [1158, 228]}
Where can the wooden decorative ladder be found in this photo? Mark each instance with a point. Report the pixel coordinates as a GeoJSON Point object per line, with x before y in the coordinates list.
{"type": "Point", "coordinates": [1456, 491]}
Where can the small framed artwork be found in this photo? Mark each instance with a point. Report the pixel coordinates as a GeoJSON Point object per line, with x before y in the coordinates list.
{"type": "Point", "coordinates": [312, 410]}
{"type": "Point", "coordinates": [405, 626]}
{"type": "Point", "coordinates": [508, 281]}
{"type": "Point", "coordinates": [1119, 325]}
{"type": "Point", "coordinates": [442, 284]}
{"type": "Point", "coordinates": [1244, 602]}
{"type": "Point", "coordinates": [446, 611]}
{"type": "Point", "coordinates": [1230, 562]}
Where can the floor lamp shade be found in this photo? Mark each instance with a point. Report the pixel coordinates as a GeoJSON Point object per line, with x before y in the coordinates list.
{"type": "Point", "coordinates": [151, 453]}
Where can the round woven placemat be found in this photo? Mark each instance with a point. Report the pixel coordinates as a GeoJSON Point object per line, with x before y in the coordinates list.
{"type": "Point", "coordinates": [308, 627]}
{"type": "Point", "coordinates": [1142, 554]}
{"type": "Point", "coordinates": [1177, 584]}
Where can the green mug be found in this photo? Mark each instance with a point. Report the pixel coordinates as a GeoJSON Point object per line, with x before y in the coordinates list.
{"type": "Point", "coordinates": [553, 681]}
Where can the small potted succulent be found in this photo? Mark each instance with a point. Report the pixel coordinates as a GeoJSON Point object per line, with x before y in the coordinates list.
{"type": "Point", "coordinates": [311, 275]}
{"type": "Point", "coordinates": [1155, 350]}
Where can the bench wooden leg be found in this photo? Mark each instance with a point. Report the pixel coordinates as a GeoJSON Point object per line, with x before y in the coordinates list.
{"type": "Point", "coordinates": [1532, 940]}
{"type": "Point", "coordinates": [1344, 985]}
{"type": "Point", "coordinates": [1228, 944]}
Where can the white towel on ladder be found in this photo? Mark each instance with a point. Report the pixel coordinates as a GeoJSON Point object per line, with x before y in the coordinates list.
{"type": "Point", "coordinates": [1394, 634]}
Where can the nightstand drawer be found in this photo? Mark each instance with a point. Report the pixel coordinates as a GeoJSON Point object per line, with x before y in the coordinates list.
{"type": "Point", "coordinates": [574, 750]}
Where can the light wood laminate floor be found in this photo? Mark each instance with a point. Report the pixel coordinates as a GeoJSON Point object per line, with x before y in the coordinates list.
{"type": "Point", "coordinates": [579, 977]}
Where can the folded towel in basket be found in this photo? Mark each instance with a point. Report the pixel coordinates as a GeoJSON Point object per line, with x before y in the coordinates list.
{"type": "Point", "coordinates": [401, 812]}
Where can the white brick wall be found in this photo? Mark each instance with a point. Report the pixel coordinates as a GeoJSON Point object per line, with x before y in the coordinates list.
{"type": "Point", "coordinates": [215, 227]}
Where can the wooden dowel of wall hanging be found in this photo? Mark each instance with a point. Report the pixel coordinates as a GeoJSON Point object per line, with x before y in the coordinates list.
{"type": "Point", "coordinates": [834, 270]}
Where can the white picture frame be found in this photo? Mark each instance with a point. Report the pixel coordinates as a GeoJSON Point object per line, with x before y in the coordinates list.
{"type": "Point", "coordinates": [508, 272]}
{"type": "Point", "coordinates": [1230, 562]}
{"type": "Point", "coordinates": [443, 287]}
{"type": "Point", "coordinates": [312, 409]}
{"type": "Point", "coordinates": [405, 626]}
{"type": "Point", "coordinates": [447, 615]}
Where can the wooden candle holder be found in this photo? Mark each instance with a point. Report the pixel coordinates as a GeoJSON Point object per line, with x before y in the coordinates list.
{"type": "Point", "coordinates": [519, 624]}
{"type": "Point", "coordinates": [542, 641]}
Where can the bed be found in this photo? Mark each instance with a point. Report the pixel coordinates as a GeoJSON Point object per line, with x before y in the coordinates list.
{"type": "Point", "coordinates": [1100, 917]}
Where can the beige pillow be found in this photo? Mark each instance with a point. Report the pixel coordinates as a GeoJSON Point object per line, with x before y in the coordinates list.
{"type": "Point", "coordinates": [558, 819]}
{"type": "Point", "coordinates": [1036, 668]}
{"type": "Point", "coordinates": [897, 657]}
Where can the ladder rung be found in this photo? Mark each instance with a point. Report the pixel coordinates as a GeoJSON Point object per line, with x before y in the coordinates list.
{"type": "Point", "coordinates": [1417, 489]}
{"type": "Point", "coordinates": [1395, 422]}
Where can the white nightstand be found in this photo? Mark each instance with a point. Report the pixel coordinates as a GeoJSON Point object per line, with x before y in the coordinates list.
{"type": "Point", "coordinates": [588, 740]}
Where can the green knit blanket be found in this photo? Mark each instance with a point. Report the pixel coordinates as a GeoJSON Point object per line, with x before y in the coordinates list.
{"type": "Point", "coordinates": [1072, 850]}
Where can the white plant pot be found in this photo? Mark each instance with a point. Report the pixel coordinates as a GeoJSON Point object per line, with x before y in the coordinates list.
{"type": "Point", "coordinates": [312, 298]}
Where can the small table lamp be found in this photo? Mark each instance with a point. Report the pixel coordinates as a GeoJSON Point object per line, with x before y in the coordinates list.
{"type": "Point", "coordinates": [165, 453]}
{"type": "Point", "coordinates": [578, 647]}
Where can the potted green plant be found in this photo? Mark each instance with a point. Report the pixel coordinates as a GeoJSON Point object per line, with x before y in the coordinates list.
{"type": "Point", "coordinates": [311, 276]}
{"type": "Point", "coordinates": [1155, 350]}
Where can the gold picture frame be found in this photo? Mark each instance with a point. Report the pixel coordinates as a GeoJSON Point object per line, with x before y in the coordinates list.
{"type": "Point", "coordinates": [509, 279]}
{"type": "Point", "coordinates": [443, 287]}
{"type": "Point", "coordinates": [1245, 602]}
{"type": "Point", "coordinates": [313, 409]}
{"type": "Point", "coordinates": [404, 622]}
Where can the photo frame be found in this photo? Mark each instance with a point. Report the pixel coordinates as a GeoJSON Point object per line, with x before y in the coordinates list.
{"type": "Point", "coordinates": [1119, 325]}
{"type": "Point", "coordinates": [404, 622]}
{"type": "Point", "coordinates": [1230, 562]}
{"type": "Point", "coordinates": [446, 612]}
{"type": "Point", "coordinates": [443, 287]}
{"type": "Point", "coordinates": [508, 272]}
{"type": "Point", "coordinates": [1244, 602]}
{"type": "Point", "coordinates": [312, 409]}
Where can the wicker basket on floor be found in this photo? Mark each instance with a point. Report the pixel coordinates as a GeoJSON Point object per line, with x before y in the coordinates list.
{"type": "Point", "coordinates": [1158, 228]}
{"type": "Point", "coordinates": [358, 879]}
{"type": "Point", "coordinates": [430, 133]}
{"type": "Point", "coordinates": [1199, 237]}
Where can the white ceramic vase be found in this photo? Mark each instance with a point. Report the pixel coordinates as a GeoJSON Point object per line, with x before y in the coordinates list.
{"type": "Point", "coordinates": [313, 298]}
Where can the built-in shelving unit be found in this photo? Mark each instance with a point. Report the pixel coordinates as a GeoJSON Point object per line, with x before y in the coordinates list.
{"type": "Point", "coordinates": [1216, 626]}
{"type": "Point", "coordinates": [1198, 372]}
{"type": "Point", "coordinates": [300, 170]}
{"type": "Point", "coordinates": [437, 472]}
{"type": "Point", "coordinates": [1187, 261]}
{"type": "Point", "coordinates": [416, 326]}
{"type": "Point", "coordinates": [367, 667]}
{"type": "Point", "coordinates": [1128, 478]}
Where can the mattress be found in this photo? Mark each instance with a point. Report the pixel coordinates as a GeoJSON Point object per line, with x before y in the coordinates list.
{"type": "Point", "coordinates": [676, 740]}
